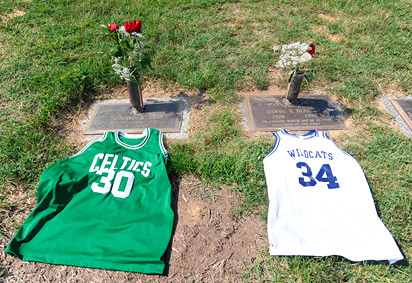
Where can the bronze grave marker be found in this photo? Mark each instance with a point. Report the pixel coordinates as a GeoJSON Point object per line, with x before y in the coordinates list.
{"type": "Point", "coordinates": [269, 113]}
{"type": "Point", "coordinates": [404, 108]}
{"type": "Point", "coordinates": [164, 116]}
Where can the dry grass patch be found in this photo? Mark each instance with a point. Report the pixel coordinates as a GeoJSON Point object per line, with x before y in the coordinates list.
{"type": "Point", "coordinates": [326, 33]}
{"type": "Point", "coordinates": [335, 37]}
{"type": "Point", "coordinates": [324, 30]}
{"type": "Point", "coordinates": [15, 13]}
{"type": "Point", "coordinates": [329, 18]}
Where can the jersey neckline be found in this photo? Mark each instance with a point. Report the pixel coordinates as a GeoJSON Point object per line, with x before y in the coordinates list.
{"type": "Point", "coordinates": [310, 134]}
{"type": "Point", "coordinates": [145, 135]}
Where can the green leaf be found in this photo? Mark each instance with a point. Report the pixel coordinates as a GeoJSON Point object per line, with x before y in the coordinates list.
{"type": "Point", "coordinates": [292, 74]}
{"type": "Point", "coordinates": [146, 61]}
{"type": "Point", "coordinates": [117, 51]}
{"type": "Point", "coordinates": [309, 76]}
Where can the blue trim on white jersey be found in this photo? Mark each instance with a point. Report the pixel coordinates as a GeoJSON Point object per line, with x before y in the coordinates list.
{"type": "Point", "coordinates": [310, 134]}
{"type": "Point", "coordinates": [276, 145]}
{"type": "Point", "coordinates": [325, 135]}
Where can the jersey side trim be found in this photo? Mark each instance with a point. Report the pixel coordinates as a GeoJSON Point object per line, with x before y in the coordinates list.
{"type": "Point", "coordinates": [162, 146]}
{"type": "Point", "coordinates": [276, 145]}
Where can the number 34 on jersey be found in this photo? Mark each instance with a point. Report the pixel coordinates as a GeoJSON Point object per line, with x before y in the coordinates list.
{"type": "Point", "coordinates": [325, 175]}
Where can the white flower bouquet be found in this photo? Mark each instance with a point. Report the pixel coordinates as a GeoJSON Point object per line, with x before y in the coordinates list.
{"type": "Point", "coordinates": [293, 55]}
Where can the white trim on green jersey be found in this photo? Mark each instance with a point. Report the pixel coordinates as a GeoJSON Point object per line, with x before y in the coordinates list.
{"type": "Point", "coordinates": [145, 134]}
{"type": "Point", "coordinates": [162, 146]}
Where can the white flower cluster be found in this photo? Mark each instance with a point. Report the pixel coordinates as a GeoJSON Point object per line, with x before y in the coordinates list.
{"type": "Point", "coordinates": [123, 31]}
{"type": "Point", "coordinates": [292, 54]}
{"type": "Point", "coordinates": [127, 65]}
{"type": "Point", "coordinates": [119, 69]}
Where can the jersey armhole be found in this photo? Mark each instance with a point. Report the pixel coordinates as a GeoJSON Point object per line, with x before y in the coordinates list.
{"type": "Point", "coordinates": [276, 145]}
{"type": "Point", "coordinates": [90, 143]}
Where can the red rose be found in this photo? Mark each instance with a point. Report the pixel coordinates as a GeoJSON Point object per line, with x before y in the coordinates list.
{"type": "Point", "coordinates": [133, 26]}
{"type": "Point", "coordinates": [311, 49]}
{"type": "Point", "coordinates": [113, 27]}
{"type": "Point", "coordinates": [128, 26]}
{"type": "Point", "coordinates": [138, 26]}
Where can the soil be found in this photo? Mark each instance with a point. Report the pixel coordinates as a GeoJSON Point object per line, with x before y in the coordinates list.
{"type": "Point", "coordinates": [210, 243]}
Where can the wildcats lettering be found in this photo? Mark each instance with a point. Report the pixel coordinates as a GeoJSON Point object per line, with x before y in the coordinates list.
{"type": "Point", "coordinates": [105, 162]}
{"type": "Point", "coordinates": [310, 154]}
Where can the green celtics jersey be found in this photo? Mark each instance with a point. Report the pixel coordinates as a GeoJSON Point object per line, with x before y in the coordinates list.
{"type": "Point", "coordinates": [107, 207]}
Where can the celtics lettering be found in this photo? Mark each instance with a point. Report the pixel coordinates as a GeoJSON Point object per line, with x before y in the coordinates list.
{"type": "Point", "coordinates": [102, 162]}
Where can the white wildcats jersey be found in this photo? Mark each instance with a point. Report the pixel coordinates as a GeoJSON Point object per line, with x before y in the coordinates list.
{"type": "Point", "coordinates": [320, 203]}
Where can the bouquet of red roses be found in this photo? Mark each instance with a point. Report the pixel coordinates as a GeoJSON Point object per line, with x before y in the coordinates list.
{"type": "Point", "coordinates": [128, 57]}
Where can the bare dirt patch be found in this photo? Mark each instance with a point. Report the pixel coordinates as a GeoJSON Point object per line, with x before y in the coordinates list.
{"type": "Point", "coordinates": [329, 18]}
{"type": "Point", "coordinates": [211, 243]}
{"type": "Point", "coordinates": [14, 14]}
{"type": "Point", "coordinates": [325, 30]}
{"type": "Point", "coordinates": [335, 37]}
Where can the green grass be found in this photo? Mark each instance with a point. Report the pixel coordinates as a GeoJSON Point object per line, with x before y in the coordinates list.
{"type": "Point", "coordinates": [54, 57]}
{"type": "Point", "coordinates": [208, 157]}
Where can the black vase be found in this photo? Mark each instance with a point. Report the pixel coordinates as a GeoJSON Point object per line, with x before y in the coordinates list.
{"type": "Point", "coordinates": [135, 96]}
{"type": "Point", "coordinates": [294, 88]}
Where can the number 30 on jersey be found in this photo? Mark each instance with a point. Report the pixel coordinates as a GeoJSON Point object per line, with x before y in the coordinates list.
{"type": "Point", "coordinates": [324, 175]}
{"type": "Point", "coordinates": [106, 181]}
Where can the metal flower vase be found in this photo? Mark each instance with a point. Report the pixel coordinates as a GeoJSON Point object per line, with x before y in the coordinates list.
{"type": "Point", "coordinates": [294, 88]}
{"type": "Point", "coordinates": [135, 96]}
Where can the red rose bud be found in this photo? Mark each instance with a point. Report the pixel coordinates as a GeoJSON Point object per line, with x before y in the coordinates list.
{"type": "Point", "coordinates": [311, 49]}
{"type": "Point", "coordinates": [133, 26]}
{"type": "Point", "coordinates": [138, 26]}
{"type": "Point", "coordinates": [128, 26]}
{"type": "Point", "coordinates": [113, 27]}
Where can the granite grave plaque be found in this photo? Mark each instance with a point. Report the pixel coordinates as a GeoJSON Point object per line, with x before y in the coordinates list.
{"type": "Point", "coordinates": [164, 116]}
{"type": "Point", "coordinates": [270, 113]}
{"type": "Point", "coordinates": [404, 108]}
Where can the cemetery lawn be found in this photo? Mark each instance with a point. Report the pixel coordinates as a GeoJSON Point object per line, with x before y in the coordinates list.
{"type": "Point", "coordinates": [54, 61]}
